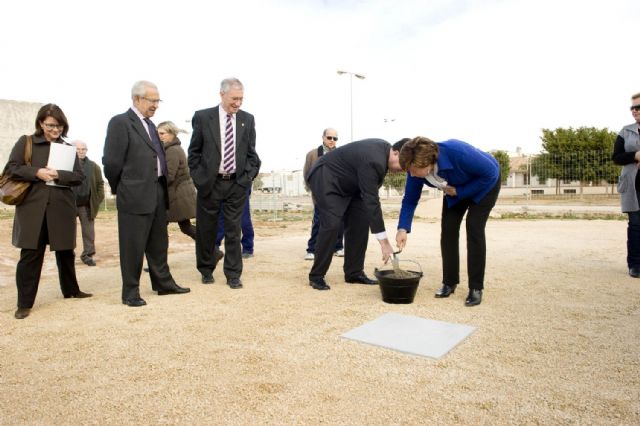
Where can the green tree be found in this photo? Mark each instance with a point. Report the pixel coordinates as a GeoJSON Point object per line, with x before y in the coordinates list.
{"type": "Point", "coordinates": [395, 181]}
{"type": "Point", "coordinates": [503, 160]}
{"type": "Point", "coordinates": [581, 154]}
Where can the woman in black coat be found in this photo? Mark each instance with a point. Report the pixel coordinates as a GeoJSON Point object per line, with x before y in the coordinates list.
{"type": "Point", "coordinates": [47, 215]}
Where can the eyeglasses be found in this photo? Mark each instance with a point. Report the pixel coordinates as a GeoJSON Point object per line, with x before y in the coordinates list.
{"type": "Point", "coordinates": [332, 138]}
{"type": "Point", "coordinates": [153, 101]}
{"type": "Point", "coordinates": [50, 126]}
{"type": "Point", "coordinates": [635, 108]}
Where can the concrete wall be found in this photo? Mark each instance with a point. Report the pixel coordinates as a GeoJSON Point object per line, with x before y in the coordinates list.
{"type": "Point", "coordinates": [16, 119]}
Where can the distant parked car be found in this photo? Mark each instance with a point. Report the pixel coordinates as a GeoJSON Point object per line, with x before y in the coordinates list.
{"type": "Point", "coordinates": [270, 189]}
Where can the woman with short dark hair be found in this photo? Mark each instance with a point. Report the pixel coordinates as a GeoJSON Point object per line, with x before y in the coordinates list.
{"type": "Point", "coordinates": [470, 180]}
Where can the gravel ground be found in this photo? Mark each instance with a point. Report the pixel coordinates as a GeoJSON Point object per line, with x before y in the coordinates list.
{"type": "Point", "coordinates": [557, 339]}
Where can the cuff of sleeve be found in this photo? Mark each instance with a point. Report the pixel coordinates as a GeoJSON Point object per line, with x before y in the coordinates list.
{"type": "Point", "coordinates": [381, 235]}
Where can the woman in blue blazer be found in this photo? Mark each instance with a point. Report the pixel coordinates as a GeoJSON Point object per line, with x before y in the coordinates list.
{"type": "Point", "coordinates": [470, 180]}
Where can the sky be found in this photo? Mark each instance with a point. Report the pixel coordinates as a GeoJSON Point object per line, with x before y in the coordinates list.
{"type": "Point", "coordinates": [490, 72]}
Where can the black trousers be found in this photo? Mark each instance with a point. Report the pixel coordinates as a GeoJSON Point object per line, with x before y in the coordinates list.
{"type": "Point", "coordinates": [227, 198]}
{"type": "Point", "coordinates": [140, 235]}
{"type": "Point", "coordinates": [334, 209]}
{"type": "Point", "coordinates": [29, 270]}
{"type": "Point", "coordinates": [477, 215]}
{"type": "Point", "coordinates": [187, 228]}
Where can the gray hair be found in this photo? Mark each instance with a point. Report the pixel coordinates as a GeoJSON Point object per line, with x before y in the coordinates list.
{"type": "Point", "coordinates": [171, 128]}
{"type": "Point", "coordinates": [230, 82]}
{"type": "Point", "coordinates": [79, 142]}
{"type": "Point", "coordinates": [139, 87]}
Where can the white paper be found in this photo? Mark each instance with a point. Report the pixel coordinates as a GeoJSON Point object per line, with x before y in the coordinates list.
{"type": "Point", "coordinates": [61, 157]}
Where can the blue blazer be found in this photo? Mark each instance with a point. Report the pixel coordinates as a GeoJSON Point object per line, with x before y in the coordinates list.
{"type": "Point", "coordinates": [472, 172]}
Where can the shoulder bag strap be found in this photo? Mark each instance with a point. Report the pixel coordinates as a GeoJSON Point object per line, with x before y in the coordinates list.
{"type": "Point", "coordinates": [28, 149]}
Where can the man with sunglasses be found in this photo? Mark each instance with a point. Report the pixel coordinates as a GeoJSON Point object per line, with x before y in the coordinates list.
{"type": "Point", "coordinates": [626, 152]}
{"type": "Point", "coordinates": [329, 140]}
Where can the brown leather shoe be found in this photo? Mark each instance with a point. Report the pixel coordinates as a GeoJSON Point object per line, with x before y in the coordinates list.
{"type": "Point", "coordinates": [22, 313]}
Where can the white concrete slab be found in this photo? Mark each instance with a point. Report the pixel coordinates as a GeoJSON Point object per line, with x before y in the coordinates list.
{"type": "Point", "coordinates": [411, 334]}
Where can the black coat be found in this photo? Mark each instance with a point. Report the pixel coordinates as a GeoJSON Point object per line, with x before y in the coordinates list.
{"type": "Point", "coordinates": [131, 165]}
{"type": "Point", "coordinates": [356, 169]}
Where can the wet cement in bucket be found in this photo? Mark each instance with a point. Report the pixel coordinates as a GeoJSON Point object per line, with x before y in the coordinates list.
{"type": "Point", "coordinates": [401, 273]}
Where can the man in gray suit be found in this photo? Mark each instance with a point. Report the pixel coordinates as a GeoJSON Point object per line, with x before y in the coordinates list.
{"type": "Point", "coordinates": [136, 169]}
{"type": "Point", "coordinates": [223, 163]}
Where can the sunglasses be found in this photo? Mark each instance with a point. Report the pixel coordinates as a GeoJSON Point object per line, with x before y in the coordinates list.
{"type": "Point", "coordinates": [635, 108]}
{"type": "Point", "coordinates": [335, 138]}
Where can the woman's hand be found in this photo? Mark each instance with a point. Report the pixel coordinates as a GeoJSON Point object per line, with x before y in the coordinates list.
{"type": "Point", "coordinates": [401, 239]}
{"type": "Point", "coordinates": [46, 174]}
{"type": "Point", "coordinates": [450, 190]}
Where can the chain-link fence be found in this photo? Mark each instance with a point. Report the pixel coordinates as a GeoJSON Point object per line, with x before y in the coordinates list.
{"type": "Point", "coordinates": [579, 176]}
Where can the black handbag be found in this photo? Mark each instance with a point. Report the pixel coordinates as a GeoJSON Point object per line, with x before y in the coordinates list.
{"type": "Point", "coordinates": [12, 192]}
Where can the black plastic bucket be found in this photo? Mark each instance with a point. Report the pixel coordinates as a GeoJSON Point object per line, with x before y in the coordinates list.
{"type": "Point", "coordinates": [398, 290]}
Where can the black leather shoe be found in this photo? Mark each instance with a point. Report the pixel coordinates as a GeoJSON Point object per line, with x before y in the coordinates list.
{"type": "Point", "coordinates": [135, 302]}
{"type": "Point", "coordinates": [634, 272]}
{"type": "Point", "coordinates": [234, 283]}
{"type": "Point", "coordinates": [22, 313]}
{"type": "Point", "coordinates": [247, 255]}
{"type": "Point", "coordinates": [175, 290]}
{"type": "Point", "coordinates": [474, 298]}
{"type": "Point", "coordinates": [361, 279]}
{"type": "Point", "coordinates": [319, 284]}
{"type": "Point", "coordinates": [145, 269]}
{"type": "Point", "coordinates": [79, 295]}
{"type": "Point", "coordinates": [207, 279]}
{"type": "Point", "coordinates": [89, 262]}
{"type": "Point", "coordinates": [446, 291]}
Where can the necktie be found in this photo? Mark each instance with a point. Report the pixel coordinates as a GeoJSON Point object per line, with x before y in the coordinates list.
{"type": "Point", "coordinates": [157, 146]}
{"type": "Point", "coordinates": [229, 148]}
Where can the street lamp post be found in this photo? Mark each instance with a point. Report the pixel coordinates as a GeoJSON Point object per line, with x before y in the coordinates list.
{"type": "Point", "coordinates": [351, 75]}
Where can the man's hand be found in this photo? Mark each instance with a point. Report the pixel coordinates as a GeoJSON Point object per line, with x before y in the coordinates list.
{"type": "Point", "coordinates": [387, 250]}
{"type": "Point", "coordinates": [401, 239]}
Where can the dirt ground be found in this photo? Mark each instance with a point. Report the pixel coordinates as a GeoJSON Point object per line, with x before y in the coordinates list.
{"type": "Point", "coordinates": [556, 340]}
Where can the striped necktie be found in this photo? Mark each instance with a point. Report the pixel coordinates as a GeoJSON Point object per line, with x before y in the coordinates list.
{"type": "Point", "coordinates": [229, 147]}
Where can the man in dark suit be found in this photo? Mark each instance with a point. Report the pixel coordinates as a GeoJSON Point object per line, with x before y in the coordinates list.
{"type": "Point", "coordinates": [345, 184]}
{"type": "Point", "coordinates": [136, 169]}
{"type": "Point", "coordinates": [223, 163]}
